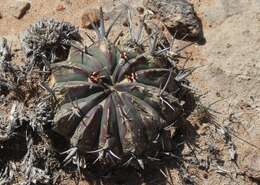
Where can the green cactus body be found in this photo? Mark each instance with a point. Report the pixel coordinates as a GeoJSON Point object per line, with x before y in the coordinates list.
{"type": "Point", "coordinates": [111, 102]}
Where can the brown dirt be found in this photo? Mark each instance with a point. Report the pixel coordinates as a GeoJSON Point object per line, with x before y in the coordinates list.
{"type": "Point", "coordinates": [230, 75]}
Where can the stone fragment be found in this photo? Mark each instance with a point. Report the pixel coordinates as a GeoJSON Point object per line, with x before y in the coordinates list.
{"type": "Point", "coordinates": [19, 8]}
{"type": "Point", "coordinates": [177, 15]}
{"type": "Point", "coordinates": [60, 7]}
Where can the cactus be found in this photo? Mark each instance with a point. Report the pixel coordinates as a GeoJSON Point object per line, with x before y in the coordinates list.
{"type": "Point", "coordinates": [45, 41]}
{"type": "Point", "coordinates": [113, 104]}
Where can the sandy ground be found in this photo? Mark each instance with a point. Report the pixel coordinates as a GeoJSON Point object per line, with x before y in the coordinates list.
{"type": "Point", "coordinates": [229, 76]}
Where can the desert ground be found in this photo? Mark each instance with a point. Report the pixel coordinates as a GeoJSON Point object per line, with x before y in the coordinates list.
{"type": "Point", "coordinates": [228, 79]}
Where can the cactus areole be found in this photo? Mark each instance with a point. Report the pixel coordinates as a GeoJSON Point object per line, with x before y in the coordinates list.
{"type": "Point", "coordinates": [113, 105]}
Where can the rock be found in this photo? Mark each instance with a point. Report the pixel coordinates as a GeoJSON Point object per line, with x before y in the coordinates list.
{"type": "Point", "coordinates": [90, 16]}
{"type": "Point", "coordinates": [177, 15]}
{"type": "Point", "coordinates": [19, 8]}
{"type": "Point", "coordinates": [1, 16]}
{"type": "Point", "coordinates": [140, 10]}
{"type": "Point", "coordinates": [126, 22]}
{"type": "Point", "coordinates": [60, 7]}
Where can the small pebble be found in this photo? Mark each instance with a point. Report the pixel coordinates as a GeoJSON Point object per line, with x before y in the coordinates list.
{"type": "Point", "coordinates": [205, 176]}
{"type": "Point", "coordinates": [20, 8]}
{"type": "Point", "coordinates": [140, 10]}
{"type": "Point", "coordinates": [60, 7]}
{"type": "Point", "coordinates": [126, 22]}
{"type": "Point", "coordinates": [229, 45]}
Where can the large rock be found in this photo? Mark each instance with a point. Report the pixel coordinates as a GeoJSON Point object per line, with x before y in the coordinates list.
{"type": "Point", "coordinates": [177, 15]}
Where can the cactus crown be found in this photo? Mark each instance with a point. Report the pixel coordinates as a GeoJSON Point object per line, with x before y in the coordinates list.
{"type": "Point", "coordinates": [114, 104]}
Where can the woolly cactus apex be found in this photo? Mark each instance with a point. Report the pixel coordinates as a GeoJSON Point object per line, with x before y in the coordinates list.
{"type": "Point", "coordinates": [47, 41]}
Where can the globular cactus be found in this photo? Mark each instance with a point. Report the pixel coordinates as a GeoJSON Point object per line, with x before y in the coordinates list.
{"type": "Point", "coordinates": [114, 105]}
